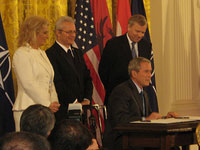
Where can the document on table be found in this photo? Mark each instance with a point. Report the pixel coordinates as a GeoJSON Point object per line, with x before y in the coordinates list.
{"type": "Point", "coordinates": [171, 120]}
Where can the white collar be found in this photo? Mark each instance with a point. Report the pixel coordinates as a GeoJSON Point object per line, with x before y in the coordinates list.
{"type": "Point", "coordinates": [138, 88]}
{"type": "Point", "coordinates": [64, 47]}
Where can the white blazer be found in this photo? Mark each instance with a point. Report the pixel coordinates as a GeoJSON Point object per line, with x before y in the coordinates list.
{"type": "Point", "coordinates": [34, 75]}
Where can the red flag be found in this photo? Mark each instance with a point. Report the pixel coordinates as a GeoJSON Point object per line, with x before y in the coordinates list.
{"type": "Point", "coordinates": [103, 27]}
{"type": "Point", "coordinates": [123, 14]}
{"type": "Point", "coordinates": [92, 35]}
{"type": "Point", "coordinates": [102, 22]}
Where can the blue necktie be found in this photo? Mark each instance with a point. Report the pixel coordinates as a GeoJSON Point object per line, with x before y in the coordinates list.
{"type": "Point", "coordinates": [143, 102]}
{"type": "Point", "coordinates": [133, 50]}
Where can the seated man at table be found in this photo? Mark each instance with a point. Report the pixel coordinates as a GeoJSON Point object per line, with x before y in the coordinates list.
{"type": "Point", "coordinates": [128, 102]}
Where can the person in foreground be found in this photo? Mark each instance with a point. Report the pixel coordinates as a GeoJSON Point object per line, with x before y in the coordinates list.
{"type": "Point", "coordinates": [129, 102]}
{"type": "Point", "coordinates": [37, 119]}
{"type": "Point", "coordinates": [70, 135]}
{"type": "Point", "coordinates": [23, 141]}
{"type": "Point", "coordinates": [32, 68]}
{"type": "Point", "coordinates": [72, 77]}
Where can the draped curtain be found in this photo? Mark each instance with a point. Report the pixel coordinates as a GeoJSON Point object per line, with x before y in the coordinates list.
{"type": "Point", "coordinates": [14, 12]}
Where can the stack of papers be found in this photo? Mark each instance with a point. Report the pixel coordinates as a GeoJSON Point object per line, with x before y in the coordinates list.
{"type": "Point", "coordinates": [171, 120]}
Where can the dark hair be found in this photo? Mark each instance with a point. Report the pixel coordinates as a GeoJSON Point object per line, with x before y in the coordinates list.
{"type": "Point", "coordinates": [135, 63]}
{"type": "Point", "coordinates": [71, 135]}
{"type": "Point", "coordinates": [23, 141]}
{"type": "Point", "coordinates": [37, 119]}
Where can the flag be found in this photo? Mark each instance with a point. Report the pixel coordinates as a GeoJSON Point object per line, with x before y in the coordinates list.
{"type": "Point", "coordinates": [6, 86]}
{"type": "Point", "coordinates": [123, 14]}
{"type": "Point", "coordinates": [102, 23]}
{"type": "Point", "coordinates": [137, 7]}
{"type": "Point", "coordinates": [93, 30]}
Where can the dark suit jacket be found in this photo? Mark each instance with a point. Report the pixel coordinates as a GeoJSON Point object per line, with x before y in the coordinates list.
{"type": "Point", "coordinates": [125, 105]}
{"type": "Point", "coordinates": [113, 67]}
{"type": "Point", "coordinates": [72, 80]}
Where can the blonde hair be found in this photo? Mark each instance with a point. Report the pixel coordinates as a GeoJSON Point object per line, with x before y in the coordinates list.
{"type": "Point", "coordinates": [140, 19]}
{"type": "Point", "coordinates": [29, 29]}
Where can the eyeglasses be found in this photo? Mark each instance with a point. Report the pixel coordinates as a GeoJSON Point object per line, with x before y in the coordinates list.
{"type": "Point", "coordinates": [69, 32]}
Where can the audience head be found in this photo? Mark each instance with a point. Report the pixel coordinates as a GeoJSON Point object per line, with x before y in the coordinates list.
{"type": "Point", "coordinates": [139, 70]}
{"type": "Point", "coordinates": [23, 141]}
{"type": "Point", "coordinates": [34, 31]}
{"type": "Point", "coordinates": [137, 26]}
{"type": "Point", "coordinates": [65, 31]}
{"type": "Point", "coordinates": [37, 119]}
{"type": "Point", "coordinates": [71, 135]}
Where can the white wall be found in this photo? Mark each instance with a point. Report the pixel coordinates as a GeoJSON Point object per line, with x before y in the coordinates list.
{"type": "Point", "coordinates": [175, 28]}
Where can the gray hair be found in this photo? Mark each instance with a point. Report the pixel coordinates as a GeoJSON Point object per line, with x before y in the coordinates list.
{"type": "Point", "coordinates": [135, 63]}
{"type": "Point", "coordinates": [59, 22]}
{"type": "Point", "coordinates": [140, 19]}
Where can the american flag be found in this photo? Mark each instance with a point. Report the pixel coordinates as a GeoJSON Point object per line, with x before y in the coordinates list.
{"type": "Point", "coordinates": [6, 86]}
{"type": "Point", "coordinates": [86, 39]}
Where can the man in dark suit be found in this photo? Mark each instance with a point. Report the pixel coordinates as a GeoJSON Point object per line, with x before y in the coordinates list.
{"type": "Point", "coordinates": [129, 102]}
{"type": "Point", "coordinates": [72, 77]}
{"type": "Point", "coordinates": [119, 51]}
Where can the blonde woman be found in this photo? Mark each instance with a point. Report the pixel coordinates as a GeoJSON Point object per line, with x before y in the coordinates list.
{"type": "Point", "coordinates": [33, 70]}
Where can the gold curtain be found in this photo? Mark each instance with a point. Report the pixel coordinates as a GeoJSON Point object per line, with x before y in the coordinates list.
{"type": "Point", "coordinates": [13, 13]}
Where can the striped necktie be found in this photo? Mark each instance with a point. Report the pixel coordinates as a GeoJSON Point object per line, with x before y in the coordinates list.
{"type": "Point", "coordinates": [133, 50]}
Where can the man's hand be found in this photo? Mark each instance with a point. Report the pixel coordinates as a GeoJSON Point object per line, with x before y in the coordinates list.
{"type": "Point", "coordinates": [172, 115]}
{"type": "Point", "coordinates": [54, 106]}
{"type": "Point", "coordinates": [153, 116]}
{"type": "Point", "coordinates": [85, 102]}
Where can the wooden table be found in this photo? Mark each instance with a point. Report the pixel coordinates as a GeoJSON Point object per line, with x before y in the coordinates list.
{"type": "Point", "coordinates": [158, 135]}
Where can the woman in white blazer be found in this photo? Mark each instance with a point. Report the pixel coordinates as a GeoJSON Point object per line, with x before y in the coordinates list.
{"type": "Point", "coordinates": [33, 70]}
